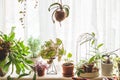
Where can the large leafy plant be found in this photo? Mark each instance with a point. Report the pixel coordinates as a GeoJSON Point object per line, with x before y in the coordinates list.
{"type": "Point", "coordinates": [50, 50]}
{"type": "Point", "coordinates": [14, 53]}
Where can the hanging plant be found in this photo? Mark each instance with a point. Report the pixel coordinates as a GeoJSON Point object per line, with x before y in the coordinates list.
{"type": "Point", "coordinates": [60, 11]}
{"type": "Point", "coordinates": [23, 12]}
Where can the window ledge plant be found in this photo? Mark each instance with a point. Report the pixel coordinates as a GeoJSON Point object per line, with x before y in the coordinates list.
{"type": "Point", "coordinates": [13, 53]}
{"type": "Point", "coordinates": [51, 50]}
{"type": "Point", "coordinates": [34, 46]}
{"type": "Point", "coordinates": [68, 66]}
{"type": "Point", "coordinates": [40, 67]}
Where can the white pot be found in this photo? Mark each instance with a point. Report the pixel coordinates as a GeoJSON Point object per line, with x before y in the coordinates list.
{"type": "Point", "coordinates": [107, 69]}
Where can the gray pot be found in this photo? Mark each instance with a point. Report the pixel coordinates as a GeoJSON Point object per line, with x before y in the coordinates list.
{"type": "Point", "coordinates": [107, 69]}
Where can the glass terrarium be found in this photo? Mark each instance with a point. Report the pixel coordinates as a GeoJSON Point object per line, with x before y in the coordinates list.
{"type": "Point", "coordinates": [84, 47]}
{"type": "Point", "coordinates": [86, 55]}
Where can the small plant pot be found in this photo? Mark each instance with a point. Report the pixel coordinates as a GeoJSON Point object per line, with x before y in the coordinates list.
{"type": "Point", "coordinates": [107, 69]}
{"type": "Point", "coordinates": [68, 70]}
{"type": "Point", "coordinates": [1, 73]}
{"type": "Point", "coordinates": [41, 72]}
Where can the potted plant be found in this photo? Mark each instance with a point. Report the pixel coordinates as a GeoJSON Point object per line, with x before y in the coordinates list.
{"type": "Point", "coordinates": [13, 53]}
{"type": "Point", "coordinates": [34, 46]}
{"type": "Point", "coordinates": [40, 67]}
{"type": "Point", "coordinates": [52, 50]}
{"type": "Point", "coordinates": [68, 66]}
{"type": "Point", "coordinates": [107, 63]}
{"type": "Point", "coordinates": [88, 67]}
{"type": "Point", "coordinates": [60, 11]}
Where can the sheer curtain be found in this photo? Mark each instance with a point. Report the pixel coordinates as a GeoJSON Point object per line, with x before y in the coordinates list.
{"type": "Point", "coordinates": [99, 16]}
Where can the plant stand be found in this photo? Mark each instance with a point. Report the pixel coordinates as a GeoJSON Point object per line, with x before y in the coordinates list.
{"type": "Point", "coordinates": [52, 69]}
{"type": "Point", "coordinates": [107, 69]}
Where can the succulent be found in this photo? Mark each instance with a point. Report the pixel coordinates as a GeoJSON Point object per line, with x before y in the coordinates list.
{"type": "Point", "coordinates": [60, 11]}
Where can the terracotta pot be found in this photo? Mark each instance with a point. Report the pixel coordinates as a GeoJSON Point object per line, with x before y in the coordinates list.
{"type": "Point", "coordinates": [68, 70]}
{"type": "Point", "coordinates": [60, 15]}
{"type": "Point", "coordinates": [107, 69]}
{"type": "Point", "coordinates": [1, 73]}
{"type": "Point", "coordinates": [41, 72]}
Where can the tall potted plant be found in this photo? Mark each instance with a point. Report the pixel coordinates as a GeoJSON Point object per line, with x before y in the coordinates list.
{"type": "Point", "coordinates": [13, 53]}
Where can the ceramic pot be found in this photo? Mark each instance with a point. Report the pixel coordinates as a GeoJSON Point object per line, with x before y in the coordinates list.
{"type": "Point", "coordinates": [107, 69]}
{"type": "Point", "coordinates": [68, 70]}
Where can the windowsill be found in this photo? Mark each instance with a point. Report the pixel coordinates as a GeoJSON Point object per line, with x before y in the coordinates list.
{"type": "Point", "coordinates": [48, 77]}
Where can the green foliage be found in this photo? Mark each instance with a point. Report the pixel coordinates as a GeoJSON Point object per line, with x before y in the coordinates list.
{"type": "Point", "coordinates": [17, 53]}
{"type": "Point", "coordinates": [52, 49]}
{"type": "Point", "coordinates": [68, 58]}
{"type": "Point", "coordinates": [34, 46]}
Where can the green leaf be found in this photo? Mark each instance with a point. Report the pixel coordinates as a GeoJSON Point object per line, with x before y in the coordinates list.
{"type": "Point", "coordinates": [54, 4]}
{"type": "Point", "coordinates": [66, 11]}
{"type": "Point", "coordinates": [91, 59]}
{"type": "Point", "coordinates": [24, 74]}
{"type": "Point", "coordinates": [100, 45]}
{"type": "Point", "coordinates": [18, 69]}
{"type": "Point", "coordinates": [93, 41]}
{"type": "Point", "coordinates": [6, 66]}
{"type": "Point", "coordinates": [34, 76]}
{"type": "Point", "coordinates": [12, 36]}
{"type": "Point", "coordinates": [59, 42]}
{"type": "Point", "coordinates": [69, 55]}
{"type": "Point", "coordinates": [28, 61]}
{"type": "Point", "coordinates": [93, 34]}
